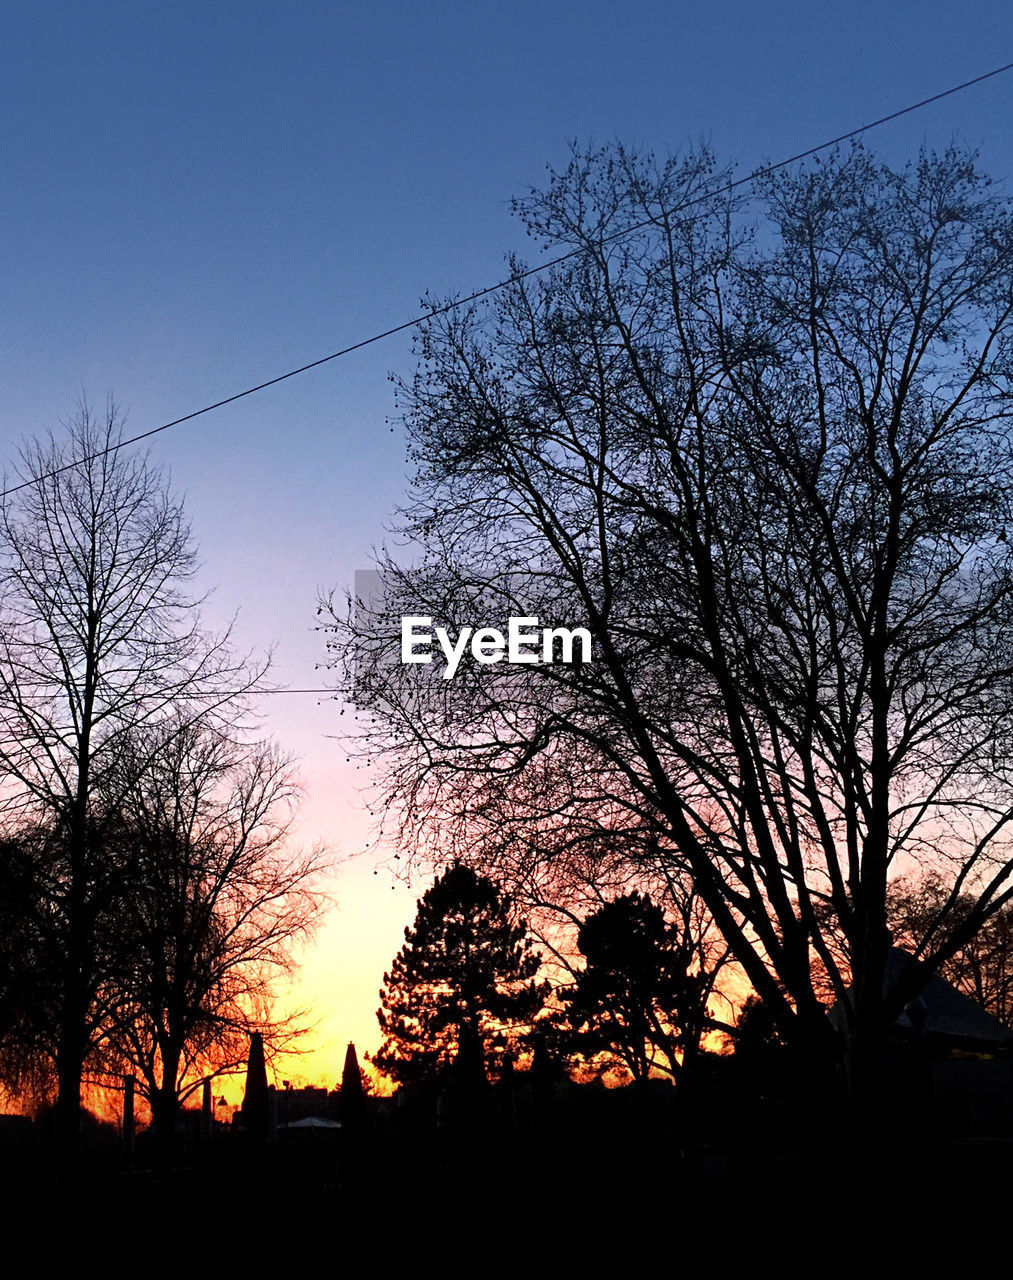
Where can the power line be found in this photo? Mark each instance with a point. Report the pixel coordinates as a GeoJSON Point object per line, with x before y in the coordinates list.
{"type": "Point", "coordinates": [296, 690]}
{"type": "Point", "coordinates": [258, 693]}
{"type": "Point", "coordinates": [502, 284]}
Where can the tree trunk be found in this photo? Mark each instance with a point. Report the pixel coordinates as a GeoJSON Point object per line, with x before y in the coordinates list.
{"type": "Point", "coordinates": [165, 1106]}
{"type": "Point", "coordinates": [73, 1031]}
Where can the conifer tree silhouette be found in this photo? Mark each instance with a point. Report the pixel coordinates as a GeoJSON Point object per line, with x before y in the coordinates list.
{"type": "Point", "coordinates": [467, 970]}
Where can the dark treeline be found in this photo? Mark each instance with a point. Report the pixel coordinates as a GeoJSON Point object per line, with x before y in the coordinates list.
{"type": "Point", "coordinates": [645, 996]}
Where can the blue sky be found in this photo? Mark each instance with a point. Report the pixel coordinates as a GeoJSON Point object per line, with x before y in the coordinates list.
{"type": "Point", "coordinates": [199, 197]}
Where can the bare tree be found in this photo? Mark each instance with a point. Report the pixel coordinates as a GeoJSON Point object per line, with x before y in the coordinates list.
{"type": "Point", "coordinates": [97, 637]}
{"type": "Point", "coordinates": [761, 451]}
{"type": "Point", "coordinates": [211, 906]}
{"type": "Point", "coordinates": [982, 966]}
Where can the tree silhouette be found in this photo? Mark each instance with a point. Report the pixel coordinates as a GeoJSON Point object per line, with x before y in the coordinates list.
{"type": "Point", "coordinates": [211, 905]}
{"type": "Point", "coordinates": [771, 475]}
{"type": "Point", "coordinates": [98, 636]}
{"type": "Point", "coordinates": [982, 967]}
{"type": "Point", "coordinates": [465, 978]}
{"type": "Point", "coordinates": [352, 1097]}
{"type": "Point", "coordinates": [352, 1087]}
{"type": "Point", "coordinates": [637, 994]}
{"type": "Point", "coordinates": [29, 966]}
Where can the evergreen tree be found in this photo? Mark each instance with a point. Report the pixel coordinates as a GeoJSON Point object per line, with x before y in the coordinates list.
{"type": "Point", "coordinates": [465, 974]}
{"type": "Point", "coordinates": [352, 1099]}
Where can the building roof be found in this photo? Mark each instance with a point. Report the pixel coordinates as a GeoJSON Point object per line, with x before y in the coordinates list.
{"type": "Point", "coordinates": [939, 1008]}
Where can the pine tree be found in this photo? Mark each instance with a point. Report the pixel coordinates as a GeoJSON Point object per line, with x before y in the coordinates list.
{"type": "Point", "coordinates": [466, 972]}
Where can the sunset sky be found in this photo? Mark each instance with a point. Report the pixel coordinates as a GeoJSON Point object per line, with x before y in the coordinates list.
{"type": "Point", "coordinates": [201, 197]}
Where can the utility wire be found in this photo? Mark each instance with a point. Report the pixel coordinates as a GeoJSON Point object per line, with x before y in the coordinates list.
{"type": "Point", "coordinates": [259, 693]}
{"type": "Point", "coordinates": [512, 279]}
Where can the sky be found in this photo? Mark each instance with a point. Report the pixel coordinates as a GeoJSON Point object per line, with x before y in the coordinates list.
{"type": "Point", "coordinates": [201, 197]}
